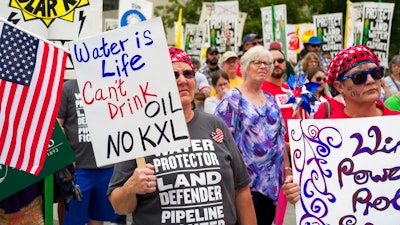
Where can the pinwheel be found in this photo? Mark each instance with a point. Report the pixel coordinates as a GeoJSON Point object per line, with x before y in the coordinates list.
{"type": "Point", "coordinates": [301, 94]}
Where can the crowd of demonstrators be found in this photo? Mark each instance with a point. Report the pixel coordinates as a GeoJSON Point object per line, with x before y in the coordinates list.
{"type": "Point", "coordinates": [393, 80]}
{"type": "Point", "coordinates": [356, 74]}
{"type": "Point", "coordinates": [220, 82]}
{"type": "Point", "coordinates": [256, 122]}
{"type": "Point", "coordinates": [212, 63]}
{"type": "Point", "coordinates": [24, 207]}
{"type": "Point", "coordinates": [94, 207]}
{"type": "Point", "coordinates": [152, 194]}
{"type": "Point", "coordinates": [312, 45]}
{"type": "Point", "coordinates": [317, 75]}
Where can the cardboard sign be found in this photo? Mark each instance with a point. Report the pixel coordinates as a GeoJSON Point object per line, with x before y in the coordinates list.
{"type": "Point", "coordinates": [347, 169]}
{"type": "Point", "coordinates": [129, 92]}
{"type": "Point", "coordinates": [59, 155]}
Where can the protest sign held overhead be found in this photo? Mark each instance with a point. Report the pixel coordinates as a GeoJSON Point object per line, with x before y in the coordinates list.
{"type": "Point", "coordinates": [329, 30]}
{"type": "Point", "coordinates": [347, 170]}
{"type": "Point", "coordinates": [31, 77]}
{"type": "Point", "coordinates": [129, 93]}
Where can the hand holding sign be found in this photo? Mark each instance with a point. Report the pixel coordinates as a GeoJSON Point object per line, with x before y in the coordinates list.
{"type": "Point", "coordinates": [118, 73]}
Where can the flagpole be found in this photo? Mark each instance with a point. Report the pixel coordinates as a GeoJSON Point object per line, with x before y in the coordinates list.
{"type": "Point", "coordinates": [273, 22]}
{"type": "Point", "coordinates": [48, 200]}
{"type": "Point", "coordinates": [346, 26]}
{"type": "Point", "coordinates": [32, 34]}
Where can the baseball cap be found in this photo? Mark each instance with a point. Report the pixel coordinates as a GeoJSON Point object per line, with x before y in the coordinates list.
{"type": "Point", "coordinates": [229, 54]}
{"type": "Point", "coordinates": [250, 37]}
{"type": "Point", "coordinates": [275, 45]}
{"type": "Point", "coordinates": [211, 50]}
{"type": "Point", "coordinates": [314, 40]}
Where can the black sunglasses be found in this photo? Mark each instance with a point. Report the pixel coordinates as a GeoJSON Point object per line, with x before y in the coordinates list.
{"type": "Point", "coordinates": [360, 77]}
{"type": "Point", "coordinates": [255, 43]}
{"type": "Point", "coordinates": [188, 74]}
{"type": "Point", "coordinates": [319, 79]}
{"type": "Point", "coordinates": [280, 60]}
{"type": "Point", "coordinates": [315, 45]}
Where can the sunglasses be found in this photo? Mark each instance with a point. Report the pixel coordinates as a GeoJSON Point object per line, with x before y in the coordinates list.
{"type": "Point", "coordinates": [188, 74]}
{"type": "Point", "coordinates": [360, 77]}
{"type": "Point", "coordinates": [319, 79]}
{"type": "Point", "coordinates": [280, 60]}
{"type": "Point", "coordinates": [314, 46]}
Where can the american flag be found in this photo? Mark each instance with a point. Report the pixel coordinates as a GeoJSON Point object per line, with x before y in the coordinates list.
{"type": "Point", "coordinates": [31, 77]}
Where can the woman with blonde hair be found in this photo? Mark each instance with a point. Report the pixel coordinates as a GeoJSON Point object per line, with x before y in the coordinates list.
{"type": "Point", "coordinates": [310, 60]}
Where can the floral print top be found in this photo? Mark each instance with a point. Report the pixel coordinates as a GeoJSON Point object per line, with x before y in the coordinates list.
{"type": "Point", "coordinates": [259, 133]}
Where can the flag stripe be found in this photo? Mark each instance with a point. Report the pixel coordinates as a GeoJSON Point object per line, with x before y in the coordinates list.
{"type": "Point", "coordinates": [36, 106]}
{"type": "Point", "coordinates": [61, 56]}
{"type": "Point", "coordinates": [4, 142]}
{"type": "Point", "coordinates": [32, 79]}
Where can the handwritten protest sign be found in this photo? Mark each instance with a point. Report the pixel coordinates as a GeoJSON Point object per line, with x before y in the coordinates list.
{"type": "Point", "coordinates": [347, 169]}
{"type": "Point", "coordinates": [129, 92]}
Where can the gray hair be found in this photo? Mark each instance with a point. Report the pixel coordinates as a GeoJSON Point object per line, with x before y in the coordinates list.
{"type": "Point", "coordinates": [254, 53]}
{"type": "Point", "coordinates": [395, 60]}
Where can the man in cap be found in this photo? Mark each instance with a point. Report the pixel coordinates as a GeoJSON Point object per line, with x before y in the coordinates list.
{"type": "Point", "coordinates": [251, 40]}
{"type": "Point", "coordinates": [313, 45]}
{"type": "Point", "coordinates": [212, 58]}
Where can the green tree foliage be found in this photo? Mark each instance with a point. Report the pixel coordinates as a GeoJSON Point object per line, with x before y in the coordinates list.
{"type": "Point", "coordinates": [297, 12]}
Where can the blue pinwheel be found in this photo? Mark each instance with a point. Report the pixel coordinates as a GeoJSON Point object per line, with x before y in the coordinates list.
{"type": "Point", "coordinates": [301, 94]}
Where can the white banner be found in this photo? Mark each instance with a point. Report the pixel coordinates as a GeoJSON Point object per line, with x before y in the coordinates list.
{"type": "Point", "coordinates": [347, 169]}
{"type": "Point", "coordinates": [274, 26]}
{"type": "Point", "coordinates": [129, 93]}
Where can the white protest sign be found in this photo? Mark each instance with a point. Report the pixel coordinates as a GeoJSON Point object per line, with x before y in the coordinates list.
{"type": "Point", "coordinates": [328, 28]}
{"type": "Point", "coordinates": [347, 169]}
{"type": "Point", "coordinates": [129, 93]}
{"type": "Point", "coordinates": [377, 25]}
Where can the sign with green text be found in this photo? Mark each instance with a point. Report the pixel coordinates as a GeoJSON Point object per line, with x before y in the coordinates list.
{"type": "Point", "coordinates": [59, 155]}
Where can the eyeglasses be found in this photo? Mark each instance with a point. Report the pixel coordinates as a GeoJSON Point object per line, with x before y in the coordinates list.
{"type": "Point", "coordinates": [280, 60]}
{"type": "Point", "coordinates": [188, 74]}
{"type": "Point", "coordinates": [258, 63]}
{"type": "Point", "coordinates": [360, 77]}
{"type": "Point", "coordinates": [319, 79]}
{"type": "Point", "coordinates": [314, 46]}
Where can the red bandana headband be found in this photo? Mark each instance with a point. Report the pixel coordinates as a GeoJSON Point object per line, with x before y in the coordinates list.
{"type": "Point", "coordinates": [178, 55]}
{"type": "Point", "coordinates": [349, 58]}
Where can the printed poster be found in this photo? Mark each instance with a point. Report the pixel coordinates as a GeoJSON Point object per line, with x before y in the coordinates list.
{"type": "Point", "coordinates": [377, 24]}
{"type": "Point", "coordinates": [329, 30]}
{"type": "Point", "coordinates": [129, 93]}
{"type": "Point", "coordinates": [274, 29]}
{"type": "Point", "coordinates": [134, 11]}
{"type": "Point", "coordinates": [347, 169]}
{"type": "Point", "coordinates": [194, 40]}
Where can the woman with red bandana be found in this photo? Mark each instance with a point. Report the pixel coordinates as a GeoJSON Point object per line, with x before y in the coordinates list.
{"type": "Point", "coordinates": [356, 74]}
